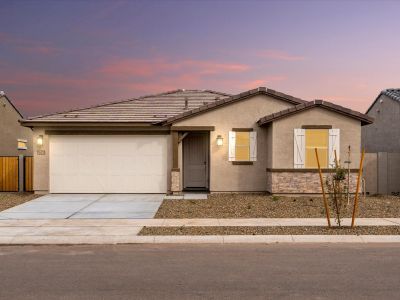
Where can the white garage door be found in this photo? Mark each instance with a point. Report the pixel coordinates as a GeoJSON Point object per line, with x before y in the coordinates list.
{"type": "Point", "coordinates": [108, 164]}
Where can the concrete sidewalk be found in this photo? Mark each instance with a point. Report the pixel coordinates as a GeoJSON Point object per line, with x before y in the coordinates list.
{"type": "Point", "coordinates": [195, 222]}
{"type": "Point", "coordinates": [115, 231]}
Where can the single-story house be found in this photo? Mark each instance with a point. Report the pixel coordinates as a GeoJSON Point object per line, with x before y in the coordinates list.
{"type": "Point", "coordinates": [193, 140]}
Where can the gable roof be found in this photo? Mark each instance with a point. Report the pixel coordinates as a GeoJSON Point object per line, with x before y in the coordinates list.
{"type": "Point", "coordinates": [146, 109]}
{"type": "Point", "coordinates": [312, 104]}
{"type": "Point", "coordinates": [233, 99]}
{"type": "Point", "coordinates": [12, 104]}
{"type": "Point", "coordinates": [391, 93]}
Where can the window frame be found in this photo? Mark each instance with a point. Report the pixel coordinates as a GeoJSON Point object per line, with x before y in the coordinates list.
{"type": "Point", "coordinates": [22, 141]}
{"type": "Point", "coordinates": [251, 159]}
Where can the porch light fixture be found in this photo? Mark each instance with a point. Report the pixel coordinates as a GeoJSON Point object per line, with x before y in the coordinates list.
{"type": "Point", "coordinates": [39, 140]}
{"type": "Point", "coordinates": [220, 140]}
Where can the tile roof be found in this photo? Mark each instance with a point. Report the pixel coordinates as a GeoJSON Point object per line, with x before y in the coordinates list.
{"type": "Point", "coordinates": [146, 109]}
{"type": "Point", "coordinates": [316, 103]}
{"type": "Point", "coordinates": [232, 99]}
{"type": "Point", "coordinates": [392, 93]}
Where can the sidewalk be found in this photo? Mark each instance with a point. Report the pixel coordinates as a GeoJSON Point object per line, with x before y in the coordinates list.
{"type": "Point", "coordinates": [196, 222]}
{"type": "Point", "coordinates": [116, 231]}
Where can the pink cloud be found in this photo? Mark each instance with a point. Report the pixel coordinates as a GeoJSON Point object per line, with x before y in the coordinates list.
{"type": "Point", "coordinates": [151, 67]}
{"type": "Point", "coordinates": [27, 45]}
{"type": "Point", "coordinates": [262, 82]}
{"type": "Point", "coordinates": [280, 55]}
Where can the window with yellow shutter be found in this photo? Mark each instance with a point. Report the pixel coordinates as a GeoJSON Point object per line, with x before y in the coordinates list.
{"type": "Point", "coordinates": [242, 146]}
{"type": "Point", "coordinates": [316, 138]}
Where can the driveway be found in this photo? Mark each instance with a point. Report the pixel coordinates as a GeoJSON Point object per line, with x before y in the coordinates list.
{"type": "Point", "coordinates": [87, 206]}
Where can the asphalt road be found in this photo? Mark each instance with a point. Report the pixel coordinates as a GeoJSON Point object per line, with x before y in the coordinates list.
{"type": "Point", "coordinates": [201, 271]}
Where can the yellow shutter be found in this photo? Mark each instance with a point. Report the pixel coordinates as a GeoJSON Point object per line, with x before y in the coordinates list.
{"type": "Point", "coordinates": [242, 147]}
{"type": "Point", "coordinates": [317, 138]}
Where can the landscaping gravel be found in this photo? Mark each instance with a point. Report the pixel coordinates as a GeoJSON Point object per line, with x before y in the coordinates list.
{"type": "Point", "coordinates": [226, 205]}
{"type": "Point", "coordinates": [8, 200]}
{"type": "Point", "coordinates": [298, 230]}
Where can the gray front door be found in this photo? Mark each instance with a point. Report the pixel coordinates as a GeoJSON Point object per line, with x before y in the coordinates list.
{"type": "Point", "coordinates": [196, 161]}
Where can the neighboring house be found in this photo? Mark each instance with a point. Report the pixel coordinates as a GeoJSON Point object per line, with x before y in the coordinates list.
{"type": "Point", "coordinates": [14, 138]}
{"type": "Point", "coordinates": [381, 141]}
{"type": "Point", "coordinates": [384, 134]}
{"type": "Point", "coordinates": [260, 140]}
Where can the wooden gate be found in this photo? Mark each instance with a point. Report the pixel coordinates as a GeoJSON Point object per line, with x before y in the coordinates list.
{"type": "Point", "coordinates": [28, 172]}
{"type": "Point", "coordinates": [9, 174]}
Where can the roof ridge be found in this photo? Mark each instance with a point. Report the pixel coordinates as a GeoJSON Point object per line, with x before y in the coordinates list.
{"type": "Point", "coordinates": [232, 98]}
{"type": "Point", "coordinates": [121, 101]}
{"type": "Point", "coordinates": [316, 103]}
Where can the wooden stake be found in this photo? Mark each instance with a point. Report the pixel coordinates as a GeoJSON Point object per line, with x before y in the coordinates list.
{"type": "Point", "coordinates": [328, 218]}
{"type": "Point", "coordinates": [357, 189]}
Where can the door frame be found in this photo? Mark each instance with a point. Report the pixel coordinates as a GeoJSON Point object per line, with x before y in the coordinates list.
{"type": "Point", "coordinates": [200, 189]}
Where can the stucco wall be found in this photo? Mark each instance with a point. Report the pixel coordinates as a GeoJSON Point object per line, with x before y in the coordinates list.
{"type": "Point", "coordinates": [11, 131]}
{"type": "Point", "coordinates": [40, 162]}
{"type": "Point", "coordinates": [283, 139]}
{"type": "Point", "coordinates": [224, 176]}
{"type": "Point", "coordinates": [383, 135]}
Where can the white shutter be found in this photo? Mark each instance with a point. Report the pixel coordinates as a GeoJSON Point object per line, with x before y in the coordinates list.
{"type": "Point", "coordinates": [299, 148]}
{"type": "Point", "coordinates": [232, 144]}
{"type": "Point", "coordinates": [334, 144]}
{"type": "Point", "coordinates": [253, 146]}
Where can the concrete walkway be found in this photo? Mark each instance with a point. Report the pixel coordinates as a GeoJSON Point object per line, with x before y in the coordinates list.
{"type": "Point", "coordinates": [86, 206]}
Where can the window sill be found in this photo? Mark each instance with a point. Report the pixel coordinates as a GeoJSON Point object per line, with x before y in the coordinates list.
{"type": "Point", "coordinates": [242, 163]}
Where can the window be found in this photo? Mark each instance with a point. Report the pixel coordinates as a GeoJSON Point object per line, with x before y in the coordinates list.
{"type": "Point", "coordinates": [22, 144]}
{"type": "Point", "coordinates": [317, 138]}
{"type": "Point", "coordinates": [242, 146]}
{"type": "Point", "coordinates": [327, 141]}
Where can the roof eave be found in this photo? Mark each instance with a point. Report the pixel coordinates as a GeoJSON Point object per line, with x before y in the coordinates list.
{"type": "Point", "coordinates": [233, 99]}
{"type": "Point", "coordinates": [364, 119]}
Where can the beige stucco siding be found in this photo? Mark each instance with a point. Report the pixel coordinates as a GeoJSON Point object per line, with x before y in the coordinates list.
{"type": "Point", "coordinates": [11, 131]}
{"type": "Point", "coordinates": [224, 176]}
{"type": "Point", "coordinates": [40, 162]}
{"type": "Point", "coordinates": [283, 136]}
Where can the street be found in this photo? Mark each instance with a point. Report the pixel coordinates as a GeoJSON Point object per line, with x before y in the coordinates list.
{"type": "Point", "coordinates": [279, 271]}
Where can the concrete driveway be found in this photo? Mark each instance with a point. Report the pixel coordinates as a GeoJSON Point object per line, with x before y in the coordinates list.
{"type": "Point", "coordinates": [87, 206]}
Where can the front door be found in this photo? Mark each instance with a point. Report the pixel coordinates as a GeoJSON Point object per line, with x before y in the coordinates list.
{"type": "Point", "coordinates": [196, 161]}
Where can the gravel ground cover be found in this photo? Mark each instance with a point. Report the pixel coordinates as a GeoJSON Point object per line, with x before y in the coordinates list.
{"type": "Point", "coordinates": [8, 200]}
{"type": "Point", "coordinates": [266, 206]}
{"type": "Point", "coordinates": [298, 230]}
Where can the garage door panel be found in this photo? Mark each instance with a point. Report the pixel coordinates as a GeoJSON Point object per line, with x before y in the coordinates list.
{"type": "Point", "coordinates": [108, 164]}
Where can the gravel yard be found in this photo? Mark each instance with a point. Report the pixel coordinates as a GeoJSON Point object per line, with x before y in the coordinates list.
{"type": "Point", "coordinates": [8, 200]}
{"type": "Point", "coordinates": [266, 206]}
{"type": "Point", "coordinates": [298, 230]}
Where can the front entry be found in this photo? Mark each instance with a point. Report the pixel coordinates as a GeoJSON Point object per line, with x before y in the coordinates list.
{"type": "Point", "coordinates": [196, 161]}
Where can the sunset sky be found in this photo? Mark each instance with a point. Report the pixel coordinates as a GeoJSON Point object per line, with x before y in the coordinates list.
{"type": "Point", "coordinates": [58, 55]}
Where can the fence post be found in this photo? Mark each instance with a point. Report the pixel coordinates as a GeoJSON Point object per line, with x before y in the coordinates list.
{"type": "Point", "coordinates": [21, 173]}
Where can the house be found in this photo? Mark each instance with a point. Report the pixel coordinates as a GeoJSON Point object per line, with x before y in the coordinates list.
{"type": "Point", "coordinates": [381, 141]}
{"type": "Point", "coordinates": [15, 139]}
{"type": "Point", "coordinates": [256, 141]}
{"type": "Point", "coordinates": [384, 134]}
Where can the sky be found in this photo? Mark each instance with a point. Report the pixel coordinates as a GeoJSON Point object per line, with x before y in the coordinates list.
{"type": "Point", "coordinates": [59, 55]}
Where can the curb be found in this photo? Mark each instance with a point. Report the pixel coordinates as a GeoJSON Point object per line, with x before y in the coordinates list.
{"type": "Point", "coordinates": [211, 239]}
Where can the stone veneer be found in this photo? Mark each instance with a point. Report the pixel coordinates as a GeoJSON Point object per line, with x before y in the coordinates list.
{"type": "Point", "coordinates": [175, 184]}
{"type": "Point", "coordinates": [300, 182]}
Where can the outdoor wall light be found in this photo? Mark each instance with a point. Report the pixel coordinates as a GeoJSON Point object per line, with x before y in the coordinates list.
{"type": "Point", "coordinates": [220, 140]}
{"type": "Point", "coordinates": [39, 140]}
